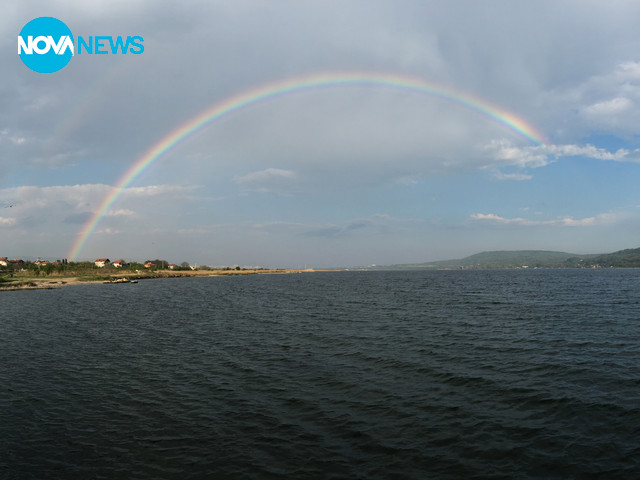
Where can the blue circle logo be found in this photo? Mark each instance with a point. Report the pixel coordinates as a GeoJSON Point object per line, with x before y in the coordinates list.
{"type": "Point", "coordinates": [45, 45]}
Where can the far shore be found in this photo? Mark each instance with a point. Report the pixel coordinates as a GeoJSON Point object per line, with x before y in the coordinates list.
{"type": "Point", "coordinates": [30, 282]}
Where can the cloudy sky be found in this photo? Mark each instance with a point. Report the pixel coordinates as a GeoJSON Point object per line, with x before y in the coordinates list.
{"type": "Point", "coordinates": [346, 175]}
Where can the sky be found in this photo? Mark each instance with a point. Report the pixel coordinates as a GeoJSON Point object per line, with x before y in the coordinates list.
{"type": "Point", "coordinates": [338, 174]}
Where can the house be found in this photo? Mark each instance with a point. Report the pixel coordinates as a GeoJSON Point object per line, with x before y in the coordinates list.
{"type": "Point", "coordinates": [41, 263]}
{"type": "Point", "coordinates": [119, 263]}
{"type": "Point", "coordinates": [149, 265]}
{"type": "Point", "coordinates": [3, 261]}
{"type": "Point", "coordinates": [101, 262]}
{"type": "Point", "coordinates": [172, 266]}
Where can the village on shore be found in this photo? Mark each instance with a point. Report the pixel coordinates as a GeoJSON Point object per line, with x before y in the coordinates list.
{"type": "Point", "coordinates": [17, 274]}
{"type": "Point", "coordinates": [61, 266]}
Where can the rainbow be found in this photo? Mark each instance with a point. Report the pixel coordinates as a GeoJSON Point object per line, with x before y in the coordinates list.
{"type": "Point", "coordinates": [284, 87]}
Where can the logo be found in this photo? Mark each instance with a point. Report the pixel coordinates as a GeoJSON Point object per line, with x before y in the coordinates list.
{"type": "Point", "coordinates": [46, 45]}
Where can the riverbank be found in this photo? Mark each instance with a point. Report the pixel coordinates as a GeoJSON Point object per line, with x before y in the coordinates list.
{"type": "Point", "coordinates": [30, 282]}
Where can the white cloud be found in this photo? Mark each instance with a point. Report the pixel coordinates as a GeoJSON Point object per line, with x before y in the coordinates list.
{"type": "Point", "coordinates": [614, 106]}
{"type": "Point", "coordinates": [33, 207]}
{"type": "Point", "coordinates": [512, 176]}
{"type": "Point", "coordinates": [407, 180]}
{"type": "Point", "coordinates": [505, 153]}
{"type": "Point", "coordinates": [509, 155]}
{"type": "Point", "coordinates": [265, 176]}
{"type": "Point", "coordinates": [604, 102]}
{"type": "Point", "coordinates": [590, 151]}
{"type": "Point", "coordinates": [155, 190]}
{"type": "Point", "coordinates": [121, 212]}
{"type": "Point", "coordinates": [108, 231]}
{"type": "Point", "coordinates": [343, 145]}
{"type": "Point", "coordinates": [59, 214]}
{"type": "Point", "coordinates": [601, 219]}
{"type": "Point", "coordinates": [81, 197]}
{"type": "Point", "coordinates": [271, 180]}
{"type": "Point", "coordinates": [15, 139]}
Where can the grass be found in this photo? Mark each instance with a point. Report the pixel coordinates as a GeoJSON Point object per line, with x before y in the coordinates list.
{"type": "Point", "coordinates": [29, 279]}
{"type": "Point", "coordinates": [9, 283]}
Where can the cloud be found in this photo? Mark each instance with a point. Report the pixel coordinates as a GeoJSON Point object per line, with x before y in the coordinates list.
{"type": "Point", "coordinates": [323, 158]}
{"type": "Point", "coordinates": [271, 180]}
{"type": "Point", "coordinates": [78, 218]}
{"type": "Point", "coordinates": [377, 223]}
{"type": "Point", "coordinates": [121, 212]}
{"type": "Point", "coordinates": [589, 151]}
{"type": "Point", "coordinates": [605, 101]}
{"type": "Point", "coordinates": [407, 180]}
{"type": "Point", "coordinates": [512, 176]}
{"type": "Point", "coordinates": [342, 230]}
{"type": "Point", "coordinates": [81, 196]}
{"type": "Point", "coordinates": [602, 219]}
{"type": "Point", "coordinates": [75, 204]}
{"type": "Point", "coordinates": [156, 190]}
{"type": "Point", "coordinates": [614, 106]}
{"type": "Point", "coordinates": [506, 154]}
{"type": "Point", "coordinates": [331, 230]}
{"type": "Point", "coordinates": [108, 231]}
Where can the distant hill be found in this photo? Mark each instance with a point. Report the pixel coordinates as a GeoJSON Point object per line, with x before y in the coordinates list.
{"type": "Point", "coordinates": [629, 258]}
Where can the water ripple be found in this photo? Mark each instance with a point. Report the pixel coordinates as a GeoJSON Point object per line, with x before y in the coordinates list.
{"type": "Point", "coordinates": [494, 374]}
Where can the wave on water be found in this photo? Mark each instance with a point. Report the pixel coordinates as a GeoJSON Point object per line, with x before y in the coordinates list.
{"type": "Point", "coordinates": [452, 374]}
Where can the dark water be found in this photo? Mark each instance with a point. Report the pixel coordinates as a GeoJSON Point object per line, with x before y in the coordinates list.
{"type": "Point", "coordinates": [460, 374]}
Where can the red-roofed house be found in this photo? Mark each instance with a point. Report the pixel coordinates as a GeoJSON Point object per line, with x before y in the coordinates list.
{"type": "Point", "coordinates": [101, 262]}
{"type": "Point", "coordinates": [119, 263]}
{"type": "Point", "coordinates": [3, 261]}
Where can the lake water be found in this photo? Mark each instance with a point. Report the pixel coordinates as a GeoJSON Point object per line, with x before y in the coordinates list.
{"type": "Point", "coordinates": [443, 374]}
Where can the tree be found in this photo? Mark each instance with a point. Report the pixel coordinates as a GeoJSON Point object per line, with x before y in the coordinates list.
{"type": "Point", "coordinates": [162, 264]}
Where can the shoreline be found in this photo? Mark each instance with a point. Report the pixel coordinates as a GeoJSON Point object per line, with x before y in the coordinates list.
{"type": "Point", "coordinates": [57, 281]}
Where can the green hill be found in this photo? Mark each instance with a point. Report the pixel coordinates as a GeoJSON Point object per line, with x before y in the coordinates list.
{"type": "Point", "coordinates": [514, 259]}
{"type": "Point", "coordinates": [629, 258]}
